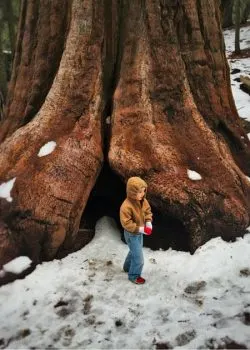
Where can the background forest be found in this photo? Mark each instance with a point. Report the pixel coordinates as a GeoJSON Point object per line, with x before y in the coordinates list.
{"type": "Point", "coordinates": [9, 13]}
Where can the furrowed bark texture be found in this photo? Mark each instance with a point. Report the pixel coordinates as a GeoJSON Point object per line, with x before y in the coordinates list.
{"type": "Point", "coordinates": [40, 43]}
{"type": "Point", "coordinates": [158, 69]}
{"type": "Point", "coordinates": [173, 91]}
{"type": "Point", "coordinates": [202, 49]}
{"type": "Point", "coordinates": [50, 192]}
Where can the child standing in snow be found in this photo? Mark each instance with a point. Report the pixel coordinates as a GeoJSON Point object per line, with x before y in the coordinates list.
{"type": "Point", "coordinates": [136, 219]}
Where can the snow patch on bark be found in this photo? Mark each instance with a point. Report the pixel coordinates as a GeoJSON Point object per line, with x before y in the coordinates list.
{"type": "Point", "coordinates": [47, 148]}
{"type": "Point", "coordinates": [5, 189]}
{"type": "Point", "coordinates": [17, 265]}
{"type": "Point", "coordinates": [193, 175]}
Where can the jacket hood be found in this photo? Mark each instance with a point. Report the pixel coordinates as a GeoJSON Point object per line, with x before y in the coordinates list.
{"type": "Point", "coordinates": [134, 185]}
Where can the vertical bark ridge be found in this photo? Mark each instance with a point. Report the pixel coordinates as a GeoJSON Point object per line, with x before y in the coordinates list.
{"type": "Point", "coordinates": [60, 183]}
{"type": "Point", "coordinates": [205, 61]}
{"type": "Point", "coordinates": [158, 129]}
{"type": "Point", "coordinates": [39, 50]}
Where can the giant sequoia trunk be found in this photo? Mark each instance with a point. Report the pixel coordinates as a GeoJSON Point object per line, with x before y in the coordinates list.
{"type": "Point", "coordinates": [41, 38]}
{"type": "Point", "coordinates": [159, 71]}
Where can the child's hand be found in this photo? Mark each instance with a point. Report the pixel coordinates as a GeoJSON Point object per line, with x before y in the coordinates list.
{"type": "Point", "coordinates": [141, 229]}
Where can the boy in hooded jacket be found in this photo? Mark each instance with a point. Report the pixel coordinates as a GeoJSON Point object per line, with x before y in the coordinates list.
{"type": "Point", "coordinates": [136, 219]}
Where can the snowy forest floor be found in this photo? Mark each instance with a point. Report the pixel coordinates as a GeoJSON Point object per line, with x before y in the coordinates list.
{"type": "Point", "coordinates": [85, 300]}
{"type": "Point", "coordinates": [239, 65]}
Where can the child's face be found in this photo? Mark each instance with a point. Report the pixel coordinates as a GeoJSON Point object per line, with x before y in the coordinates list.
{"type": "Point", "coordinates": [140, 194]}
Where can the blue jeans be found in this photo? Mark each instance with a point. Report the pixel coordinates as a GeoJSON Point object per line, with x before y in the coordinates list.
{"type": "Point", "coordinates": [134, 261]}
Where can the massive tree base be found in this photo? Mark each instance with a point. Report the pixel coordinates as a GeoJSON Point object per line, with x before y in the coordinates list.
{"type": "Point", "coordinates": [142, 89]}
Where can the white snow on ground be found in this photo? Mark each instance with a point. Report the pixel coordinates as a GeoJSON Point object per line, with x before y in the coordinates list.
{"type": "Point", "coordinates": [229, 35]}
{"type": "Point", "coordinates": [5, 189]}
{"type": "Point", "coordinates": [193, 175]}
{"type": "Point", "coordinates": [85, 300]}
{"type": "Point", "coordinates": [242, 99]}
{"type": "Point", "coordinates": [47, 149]}
{"type": "Point", "coordinates": [17, 265]}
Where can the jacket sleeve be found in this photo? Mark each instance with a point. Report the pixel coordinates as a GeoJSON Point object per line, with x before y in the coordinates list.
{"type": "Point", "coordinates": [147, 211]}
{"type": "Point", "coordinates": [127, 220]}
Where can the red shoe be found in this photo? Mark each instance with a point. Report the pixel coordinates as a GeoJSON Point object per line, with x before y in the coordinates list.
{"type": "Point", "coordinates": [139, 280]}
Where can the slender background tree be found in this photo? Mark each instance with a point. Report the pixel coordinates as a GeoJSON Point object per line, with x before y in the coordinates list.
{"type": "Point", "coordinates": [9, 12]}
{"type": "Point", "coordinates": [3, 71]}
{"type": "Point", "coordinates": [238, 13]}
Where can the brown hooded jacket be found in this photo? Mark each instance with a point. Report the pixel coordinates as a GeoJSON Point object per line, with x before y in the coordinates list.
{"type": "Point", "coordinates": [134, 213]}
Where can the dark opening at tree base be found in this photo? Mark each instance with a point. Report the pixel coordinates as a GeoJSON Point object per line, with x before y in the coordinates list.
{"type": "Point", "coordinates": [105, 200]}
{"type": "Point", "coordinates": [168, 232]}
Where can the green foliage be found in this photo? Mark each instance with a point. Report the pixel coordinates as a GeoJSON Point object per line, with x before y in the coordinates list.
{"type": "Point", "coordinates": [242, 4]}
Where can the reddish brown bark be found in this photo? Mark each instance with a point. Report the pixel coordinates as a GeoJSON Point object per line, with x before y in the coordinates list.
{"type": "Point", "coordinates": [168, 99]}
{"type": "Point", "coordinates": [59, 183]}
{"type": "Point", "coordinates": [202, 50]}
{"type": "Point", "coordinates": [167, 91]}
{"type": "Point", "coordinates": [41, 38]}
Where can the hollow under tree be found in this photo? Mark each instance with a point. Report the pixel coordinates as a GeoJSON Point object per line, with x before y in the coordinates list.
{"type": "Point", "coordinates": [158, 70]}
